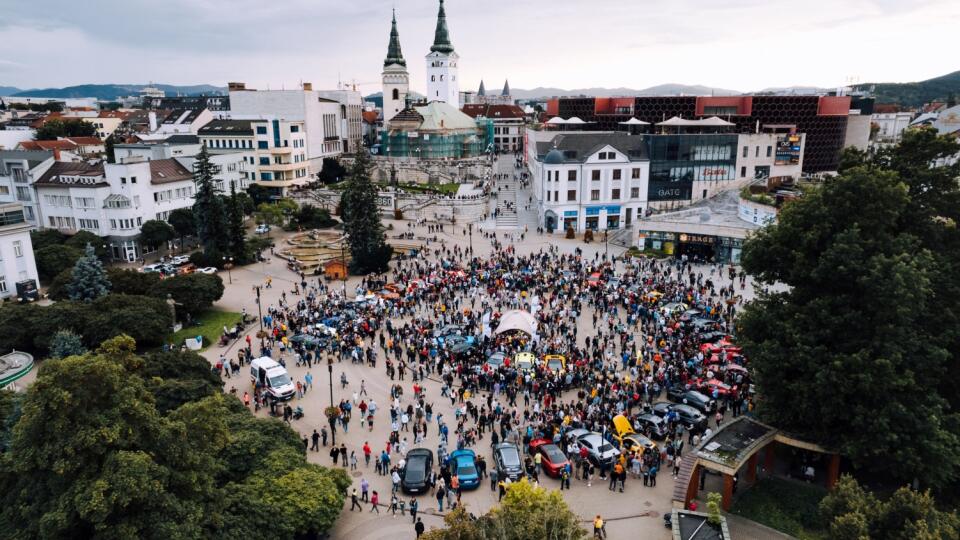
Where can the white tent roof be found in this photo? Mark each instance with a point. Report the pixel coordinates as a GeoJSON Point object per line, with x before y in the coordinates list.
{"type": "Point", "coordinates": [575, 120]}
{"type": "Point", "coordinates": [634, 122]}
{"type": "Point", "coordinates": [713, 121]}
{"type": "Point", "coordinates": [556, 120]}
{"type": "Point", "coordinates": [517, 320]}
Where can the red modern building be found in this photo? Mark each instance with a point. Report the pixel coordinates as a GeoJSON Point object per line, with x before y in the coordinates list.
{"type": "Point", "coordinates": [822, 118]}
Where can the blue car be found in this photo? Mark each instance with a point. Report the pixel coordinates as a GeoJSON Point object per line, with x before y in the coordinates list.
{"type": "Point", "coordinates": [463, 464]}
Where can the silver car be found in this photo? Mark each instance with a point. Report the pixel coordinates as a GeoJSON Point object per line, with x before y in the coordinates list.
{"type": "Point", "coordinates": [598, 449]}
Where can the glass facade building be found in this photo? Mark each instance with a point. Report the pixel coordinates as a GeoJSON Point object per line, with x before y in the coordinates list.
{"type": "Point", "coordinates": [677, 161]}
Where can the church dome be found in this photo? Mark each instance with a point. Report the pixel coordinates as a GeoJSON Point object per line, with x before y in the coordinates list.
{"type": "Point", "coordinates": [553, 157]}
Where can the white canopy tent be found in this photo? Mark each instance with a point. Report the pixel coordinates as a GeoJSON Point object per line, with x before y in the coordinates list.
{"type": "Point", "coordinates": [634, 122]}
{"type": "Point", "coordinates": [519, 320]}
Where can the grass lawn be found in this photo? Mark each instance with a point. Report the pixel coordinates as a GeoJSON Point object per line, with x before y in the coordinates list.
{"type": "Point", "coordinates": [443, 189]}
{"type": "Point", "coordinates": [211, 326]}
{"type": "Point", "coordinates": [786, 506]}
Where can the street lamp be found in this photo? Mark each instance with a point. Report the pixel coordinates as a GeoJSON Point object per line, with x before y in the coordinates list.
{"type": "Point", "coordinates": [343, 259]}
{"type": "Point", "coordinates": [260, 313]}
{"type": "Point", "coordinates": [333, 420]}
{"type": "Point", "coordinates": [228, 264]}
{"type": "Point", "coordinates": [470, 228]}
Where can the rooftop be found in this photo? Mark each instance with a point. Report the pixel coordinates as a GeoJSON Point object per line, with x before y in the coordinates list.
{"type": "Point", "coordinates": [578, 146]}
{"type": "Point", "coordinates": [227, 127]}
{"type": "Point", "coordinates": [163, 171]}
{"type": "Point", "coordinates": [476, 110]}
{"type": "Point", "coordinates": [716, 216]}
{"type": "Point", "coordinates": [64, 173]}
{"type": "Point", "coordinates": [48, 145]}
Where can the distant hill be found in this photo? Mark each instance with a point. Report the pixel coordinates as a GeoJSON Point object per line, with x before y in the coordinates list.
{"type": "Point", "coordinates": [659, 90]}
{"type": "Point", "coordinates": [794, 90]}
{"type": "Point", "coordinates": [916, 93]}
{"type": "Point", "coordinates": [114, 91]}
{"type": "Point", "coordinates": [9, 90]}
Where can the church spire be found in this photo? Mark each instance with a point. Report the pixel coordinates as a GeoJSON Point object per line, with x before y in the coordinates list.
{"type": "Point", "coordinates": [394, 55]}
{"type": "Point", "coordinates": [506, 89]}
{"type": "Point", "coordinates": [441, 38]}
{"type": "Point", "coordinates": [482, 91]}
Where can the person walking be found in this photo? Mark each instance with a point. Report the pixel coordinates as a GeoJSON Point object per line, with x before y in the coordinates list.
{"type": "Point", "coordinates": [419, 528]}
{"type": "Point", "coordinates": [364, 489]}
{"type": "Point", "coordinates": [441, 493]}
{"type": "Point", "coordinates": [414, 506]}
{"type": "Point", "coordinates": [598, 528]}
{"type": "Point", "coordinates": [375, 502]}
{"type": "Point", "coordinates": [316, 441]}
{"type": "Point", "coordinates": [354, 503]}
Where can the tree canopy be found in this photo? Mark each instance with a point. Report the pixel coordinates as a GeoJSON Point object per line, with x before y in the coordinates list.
{"type": "Point", "coordinates": [208, 209]}
{"type": "Point", "coordinates": [52, 129]}
{"type": "Point", "coordinates": [853, 344]}
{"type": "Point", "coordinates": [139, 459]}
{"type": "Point", "coordinates": [156, 233]}
{"type": "Point", "coordinates": [88, 281]}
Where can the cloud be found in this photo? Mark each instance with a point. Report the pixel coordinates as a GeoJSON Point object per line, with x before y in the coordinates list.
{"type": "Point", "coordinates": [563, 43]}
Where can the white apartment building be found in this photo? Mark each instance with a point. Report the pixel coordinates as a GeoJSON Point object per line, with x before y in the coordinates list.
{"type": "Point", "coordinates": [113, 200]}
{"type": "Point", "coordinates": [275, 150]}
{"type": "Point", "coordinates": [351, 111]}
{"type": "Point", "coordinates": [585, 181]}
{"type": "Point", "coordinates": [509, 122]}
{"type": "Point", "coordinates": [17, 264]}
{"type": "Point", "coordinates": [317, 119]}
{"type": "Point", "coordinates": [890, 126]}
{"type": "Point", "coordinates": [18, 170]}
{"type": "Point", "coordinates": [235, 166]}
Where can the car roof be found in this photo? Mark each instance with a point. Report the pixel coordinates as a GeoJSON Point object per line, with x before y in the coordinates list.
{"type": "Point", "coordinates": [417, 452]}
{"type": "Point", "coordinates": [464, 452]}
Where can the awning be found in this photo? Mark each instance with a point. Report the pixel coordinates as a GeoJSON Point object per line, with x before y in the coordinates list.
{"type": "Point", "coordinates": [519, 320]}
{"type": "Point", "coordinates": [634, 122]}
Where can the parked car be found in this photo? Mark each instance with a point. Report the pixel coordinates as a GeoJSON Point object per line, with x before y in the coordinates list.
{"type": "Point", "coordinates": [707, 387]}
{"type": "Point", "coordinates": [262, 229]}
{"type": "Point", "coordinates": [552, 458]}
{"type": "Point", "coordinates": [415, 477]}
{"type": "Point", "coordinates": [207, 270]}
{"type": "Point", "coordinates": [693, 398]}
{"type": "Point", "coordinates": [656, 425]}
{"type": "Point", "coordinates": [524, 361]}
{"type": "Point", "coordinates": [506, 458]}
{"type": "Point", "coordinates": [152, 268]}
{"type": "Point", "coordinates": [495, 360]}
{"type": "Point", "coordinates": [273, 378]}
{"type": "Point", "coordinates": [598, 449]}
{"type": "Point", "coordinates": [463, 463]}
{"type": "Point", "coordinates": [687, 415]}
{"type": "Point", "coordinates": [633, 441]}
{"type": "Point", "coordinates": [179, 259]}
{"type": "Point", "coordinates": [556, 363]}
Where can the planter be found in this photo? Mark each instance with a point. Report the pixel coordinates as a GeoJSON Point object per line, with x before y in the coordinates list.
{"type": "Point", "coordinates": [690, 525]}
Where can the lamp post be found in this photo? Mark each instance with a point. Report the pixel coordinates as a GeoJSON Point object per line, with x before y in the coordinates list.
{"type": "Point", "coordinates": [228, 264]}
{"type": "Point", "coordinates": [260, 313]}
{"type": "Point", "coordinates": [343, 259]}
{"type": "Point", "coordinates": [470, 228]}
{"type": "Point", "coordinates": [333, 421]}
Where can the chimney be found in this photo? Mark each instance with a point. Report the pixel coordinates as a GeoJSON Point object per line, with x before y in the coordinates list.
{"type": "Point", "coordinates": [152, 116]}
{"type": "Point", "coordinates": [307, 87]}
{"type": "Point", "coordinates": [56, 154]}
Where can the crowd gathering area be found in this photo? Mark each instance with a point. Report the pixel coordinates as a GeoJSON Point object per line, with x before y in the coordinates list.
{"type": "Point", "coordinates": [456, 374]}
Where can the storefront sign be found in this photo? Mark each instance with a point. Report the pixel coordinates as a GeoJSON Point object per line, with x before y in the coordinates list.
{"type": "Point", "coordinates": [696, 239]}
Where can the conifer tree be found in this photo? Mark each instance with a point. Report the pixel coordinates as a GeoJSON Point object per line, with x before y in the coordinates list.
{"type": "Point", "coordinates": [89, 280]}
{"type": "Point", "coordinates": [208, 208]}
{"type": "Point", "coordinates": [369, 251]}
{"type": "Point", "coordinates": [238, 246]}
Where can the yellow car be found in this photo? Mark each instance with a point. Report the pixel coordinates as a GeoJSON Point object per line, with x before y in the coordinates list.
{"type": "Point", "coordinates": [524, 361]}
{"type": "Point", "coordinates": [556, 363]}
{"type": "Point", "coordinates": [635, 441]}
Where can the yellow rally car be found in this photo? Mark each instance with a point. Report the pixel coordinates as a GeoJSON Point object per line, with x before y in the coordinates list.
{"type": "Point", "coordinates": [524, 361]}
{"type": "Point", "coordinates": [629, 439]}
{"type": "Point", "coordinates": [556, 363]}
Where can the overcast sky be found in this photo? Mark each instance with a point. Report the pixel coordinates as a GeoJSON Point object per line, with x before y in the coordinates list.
{"type": "Point", "coordinates": [736, 44]}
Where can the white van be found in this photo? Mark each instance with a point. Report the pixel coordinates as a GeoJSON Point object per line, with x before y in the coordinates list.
{"type": "Point", "coordinates": [272, 377]}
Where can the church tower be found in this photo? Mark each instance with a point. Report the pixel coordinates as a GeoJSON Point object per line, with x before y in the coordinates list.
{"type": "Point", "coordinates": [442, 83]}
{"type": "Point", "coordinates": [396, 80]}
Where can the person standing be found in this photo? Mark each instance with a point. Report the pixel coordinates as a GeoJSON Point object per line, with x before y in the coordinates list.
{"type": "Point", "coordinates": [316, 441]}
{"type": "Point", "coordinates": [419, 528]}
{"type": "Point", "coordinates": [414, 506]}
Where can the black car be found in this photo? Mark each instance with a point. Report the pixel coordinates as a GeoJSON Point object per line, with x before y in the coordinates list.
{"type": "Point", "coordinates": [415, 477]}
{"type": "Point", "coordinates": [656, 425]}
{"type": "Point", "coordinates": [506, 458]}
{"type": "Point", "coordinates": [687, 415]}
{"type": "Point", "coordinates": [693, 398]}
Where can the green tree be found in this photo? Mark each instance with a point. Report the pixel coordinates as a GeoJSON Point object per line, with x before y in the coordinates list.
{"type": "Point", "coordinates": [66, 343]}
{"type": "Point", "coordinates": [81, 238]}
{"type": "Point", "coordinates": [144, 318]}
{"type": "Point", "coordinates": [208, 210]}
{"type": "Point", "coordinates": [125, 281]}
{"type": "Point", "coordinates": [108, 146]}
{"type": "Point", "coordinates": [237, 234]}
{"type": "Point", "coordinates": [259, 194]}
{"type": "Point", "coordinates": [839, 352]}
{"type": "Point", "coordinates": [46, 237]}
{"type": "Point", "coordinates": [529, 511]}
{"type": "Point", "coordinates": [89, 280]}
{"type": "Point", "coordinates": [52, 129]}
{"type": "Point", "coordinates": [332, 171]}
{"type": "Point", "coordinates": [51, 260]}
{"type": "Point", "coordinates": [246, 203]}
{"type": "Point", "coordinates": [369, 250]}
{"type": "Point", "coordinates": [458, 525]}
{"type": "Point", "coordinates": [183, 222]}
{"type": "Point", "coordinates": [193, 292]}
{"type": "Point", "coordinates": [10, 409]}
{"type": "Point", "coordinates": [269, 214]}
{"type": "Point", "coordinates": [156, 233]}
{"type": "Point", "coordinates": [311, 217]}
{"type": "Point", "coordinates": [856, 514]}
{"type": "Point", "coordinates": [175, 378]}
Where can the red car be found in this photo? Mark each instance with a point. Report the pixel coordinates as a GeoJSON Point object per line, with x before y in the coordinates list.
{"type": "Point", "coordinates": [707, 387]}
{"type": "Point", "coordinates": [551, 457]}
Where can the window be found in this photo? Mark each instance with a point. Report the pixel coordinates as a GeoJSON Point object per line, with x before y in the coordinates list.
{"type": "Point", "coordinates": [113, 224]}
{"type": "Point", "coordinates": [23, 193]}
{"type": "Point", "coordinates": [133, 179]}
{"type": "Point", "coordinates": [635, 174]}
{"type": "Point", "coordinates": [17, 248]}
{"type": "Point", "coordinates": [571, 194]}
{"type": "Point", "coordinates": [396, 94]}
{"type": "Point", "coordinates": [266, 176]}
{"type": "Point", "coordinates": [139, 221]}
{"type": "Point", "coordinates": [769, 151]}
{"type": "Point", "coordinates": [615, 194]}
{"type": "Point", "coordinates": [84, 202]}
{"type": "Point", "coordinates": [556, 196]}
{"type": "Point", "coordinates": [746, 151]}
{"type": "Point", "coordinates": [616, 174]}
{"type": "Point", "coordinates": [136, 201]}
{"type": "Point", "coordinates": [3, 284]}
{"type": "Point", "coordinates": [594, 194]}
{"type": "Point", "coordinates": [635, 193]}
{"type": "Point", "coordinates": [571, 175]}
{"type": "Point", "coordinates": [261, 130]}
{"type": "Point", "coordinates": [433, 78]}
{"type": "Point", "coordinates": [123, 180]}
{"type": "Point", "coordinates": [264, 160]}
{"type": "Point", "coordinates": [262, 145]}
{"type": "Point", "coordinates": [757, 153]}
{"type": "Point", "coordinates": [548, 196]}
{"type": "Point", "coordinates": [594, 175]}
{"type": "Point", "coordinates": [743, 172]}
